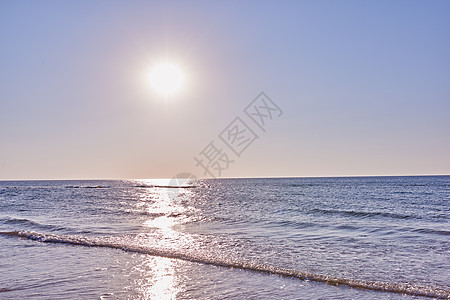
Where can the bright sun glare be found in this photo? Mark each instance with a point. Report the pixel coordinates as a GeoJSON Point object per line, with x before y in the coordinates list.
{"type": "Point", "coordinates": [166, 79]}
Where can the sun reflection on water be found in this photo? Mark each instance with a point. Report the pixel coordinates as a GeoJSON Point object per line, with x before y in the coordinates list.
{"type": "Point", "coordinates": [164, 211]}
{"type": "Point", "coordinates": [159, 279]}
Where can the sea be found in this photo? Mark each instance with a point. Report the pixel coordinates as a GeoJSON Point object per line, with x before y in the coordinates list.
{"type": "Point", "coordinates": [246, 238]}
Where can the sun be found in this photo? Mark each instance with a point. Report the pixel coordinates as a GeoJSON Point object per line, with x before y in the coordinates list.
{"type": "Point", "coordinates": [166, 78]}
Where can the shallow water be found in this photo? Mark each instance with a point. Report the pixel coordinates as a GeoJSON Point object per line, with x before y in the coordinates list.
{"type": "Point", "coordinates": [289, 238]}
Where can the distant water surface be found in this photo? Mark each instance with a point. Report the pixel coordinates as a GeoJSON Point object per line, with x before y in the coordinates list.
{"type": "Point", "coordinates": [285, 238]}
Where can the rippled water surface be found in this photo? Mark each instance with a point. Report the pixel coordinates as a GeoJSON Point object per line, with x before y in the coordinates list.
{"type": "Point", "coordinates": [289, 238]}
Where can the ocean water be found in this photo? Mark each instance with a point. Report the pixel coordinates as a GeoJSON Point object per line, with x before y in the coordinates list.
{"type": "Point", "coordinates": [285, 238]}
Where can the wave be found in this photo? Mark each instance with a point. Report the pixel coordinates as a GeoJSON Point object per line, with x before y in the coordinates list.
{"type": "Point", "coordinates": [432, 231]}
{"type": "Point", "coordinates": [353, 283]}
{"type": "Point", "coordinates": [87, 187]}
{"type": "Point", "coordinates": [13, 188]}
{"type": "Point", "coordinates": [166, 186]}
{"type": "Point", "coordinates": [29, 223]}
{"type": "Point", "coordinates": [363, 214]}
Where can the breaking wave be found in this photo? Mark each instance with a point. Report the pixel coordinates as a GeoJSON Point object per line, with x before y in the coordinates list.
{"type": "Point", "coordinates": [261, 268]}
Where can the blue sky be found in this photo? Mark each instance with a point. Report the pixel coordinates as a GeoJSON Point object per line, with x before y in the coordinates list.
{"type": "Point", "coordinates": [364, 87]}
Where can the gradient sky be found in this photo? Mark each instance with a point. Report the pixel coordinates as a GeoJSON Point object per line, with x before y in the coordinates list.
{"type": "Point", "coordinates": [364, 87]}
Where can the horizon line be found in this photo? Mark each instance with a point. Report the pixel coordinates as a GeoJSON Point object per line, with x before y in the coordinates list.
{"type": "Point", "coordinates": [237, 177]}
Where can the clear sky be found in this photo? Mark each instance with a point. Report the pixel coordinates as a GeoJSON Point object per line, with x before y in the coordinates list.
{"type": "Point", "coordinates": [364, 87]}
